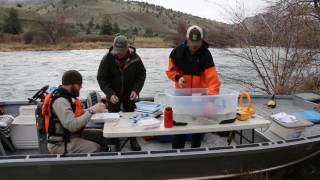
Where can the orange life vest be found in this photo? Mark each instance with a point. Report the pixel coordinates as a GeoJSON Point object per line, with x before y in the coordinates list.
{"type": "Point", "coordinates": [47, 110]}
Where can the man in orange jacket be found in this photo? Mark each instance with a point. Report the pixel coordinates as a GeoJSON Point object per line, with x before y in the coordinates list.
{"type": "Point", "coordinates": [191, 66]}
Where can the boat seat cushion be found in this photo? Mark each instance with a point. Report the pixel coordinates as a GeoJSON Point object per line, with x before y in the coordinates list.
{"type": "Point", "coordinates": [311, 116]}
{"type": "Point", "coordinates": [6, 120]}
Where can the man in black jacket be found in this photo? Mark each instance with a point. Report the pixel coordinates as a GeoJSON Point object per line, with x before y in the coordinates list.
{"type": "Point", "coordinates": [121, 77]}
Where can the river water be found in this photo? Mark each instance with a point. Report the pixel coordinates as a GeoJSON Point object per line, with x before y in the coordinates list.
{"type": "Point", "coordinates": [23, 73]}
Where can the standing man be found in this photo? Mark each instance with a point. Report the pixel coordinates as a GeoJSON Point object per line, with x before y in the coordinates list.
{"type": "Point", "coordinates": [121, 77]}
{"type": "Point", "coordinates": [191, 66]}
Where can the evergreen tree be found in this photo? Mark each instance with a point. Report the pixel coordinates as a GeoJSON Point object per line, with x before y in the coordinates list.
{"type": "Point", "coordinates": [82, 27]}
{"type": "Point", "coordinates": [135, 31]}
{"type": "Point", "coordinates": [12, 23]}
{"type": "Point", "coordinates": [106, 27]}
{"type": "Point", "coordinates": [148, 33]}
{"type": "Point", "coordinates": [90, 26]}
{"type": "Point", "coordinates": [116, 28]}
{"type": "Point", "coordinates": [91, 23]}
{"type": "Point", "coordinates": [88, 31]}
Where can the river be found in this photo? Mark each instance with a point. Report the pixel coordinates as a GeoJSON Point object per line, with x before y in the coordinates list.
{"type": "Point", "coordinates": [22, 73]}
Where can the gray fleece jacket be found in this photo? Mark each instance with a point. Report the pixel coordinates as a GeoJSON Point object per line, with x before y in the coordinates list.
{"type": "Point", "coordinates": [62, 108]}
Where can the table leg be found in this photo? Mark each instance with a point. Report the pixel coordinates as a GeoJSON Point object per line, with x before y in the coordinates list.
{"type": "Point", "coordinates": [245, 138]}
{"type": "Point", "coordinates": [2, 151]}
{"type": "Point", "coordinates": [123, 144]}
{"type": "Point", "coordinates": [231, 136]}
{"type": "Point", "coordinates": [8, 143]}
{"type": "Point", "coordinates": [252, 136]}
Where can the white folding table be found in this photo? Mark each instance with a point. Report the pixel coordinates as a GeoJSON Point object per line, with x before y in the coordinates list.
{"type": "Point", "coordinates": [125, 127]}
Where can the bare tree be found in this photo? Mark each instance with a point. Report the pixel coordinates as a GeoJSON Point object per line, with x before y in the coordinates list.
{"type": "Point", "coordinates": [280, 46]}
{"type": "Point", "coordinates": [221, 36]}
{"type": "Point", "coordinates": [315, 11]}
{"type": "Point", "coordinates": [181, 32]}
{"type": "Point", "coordinates": [54, 27]}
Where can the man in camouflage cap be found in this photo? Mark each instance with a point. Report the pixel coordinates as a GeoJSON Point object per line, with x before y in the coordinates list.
{"type": "Point", "coordinates": [121, 77]}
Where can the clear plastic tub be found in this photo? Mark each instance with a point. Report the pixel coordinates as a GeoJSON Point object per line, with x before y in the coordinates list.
{"type": "Point", "coordinates": [197, 103]}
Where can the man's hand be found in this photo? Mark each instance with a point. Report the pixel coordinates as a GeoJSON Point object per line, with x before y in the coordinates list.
{"type": "Point", "coordinates": [133, 96]}
{"type": "Point", "coordinates": [317, 108]}
{"type": "Point", "coordinates": [114, 99]}
{"type": "Point", "coordinates": [181, 82]}
{"type": "Point", "coordinates": [98, 108]}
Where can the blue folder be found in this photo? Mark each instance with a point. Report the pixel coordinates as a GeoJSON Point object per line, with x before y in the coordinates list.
{"type": "Point", "coordinates": [312, 116]}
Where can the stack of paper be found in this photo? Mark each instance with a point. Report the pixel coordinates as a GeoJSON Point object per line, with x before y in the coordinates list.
{"type": "Point", "coordinates": [105, 117]}
{"type": "Point", "coordinates": [149, 107]}
{"type": "Point", "coordinates": [284, 117]}
{"type": "Point", "coordinates": [149, 123]}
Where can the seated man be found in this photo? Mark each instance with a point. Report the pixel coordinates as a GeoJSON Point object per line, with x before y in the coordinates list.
{"type": "Point", "coordinates": [191, 66]}
{"type": "Point", "coordinates": [65, 117]}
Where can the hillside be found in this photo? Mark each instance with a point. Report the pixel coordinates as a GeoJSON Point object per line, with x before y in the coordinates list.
{"type": "Point", "coordinates": [128, 14]}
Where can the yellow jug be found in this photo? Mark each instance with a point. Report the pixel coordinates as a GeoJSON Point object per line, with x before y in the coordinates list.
{"type": "Point", "coordinates": [246, 111]}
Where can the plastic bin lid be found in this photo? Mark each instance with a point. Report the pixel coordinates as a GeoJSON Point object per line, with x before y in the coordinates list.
{"type": "Point", "coordinates": [198, 92]}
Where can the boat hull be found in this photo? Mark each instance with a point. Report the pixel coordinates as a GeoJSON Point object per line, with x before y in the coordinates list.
{"type": "Point", "coordinates": [207, 163]}
{"type": "Point", "coordinates": [210, 163]}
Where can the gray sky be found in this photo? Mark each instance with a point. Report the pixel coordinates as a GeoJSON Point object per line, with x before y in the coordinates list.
{"type": "Point", "coordinates": [212, 9]}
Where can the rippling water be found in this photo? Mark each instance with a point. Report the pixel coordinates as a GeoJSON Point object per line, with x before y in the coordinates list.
{"type": "Point", "coordinates": [22, 73]}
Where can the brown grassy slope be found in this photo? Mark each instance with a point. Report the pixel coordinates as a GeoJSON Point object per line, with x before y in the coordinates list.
{"type": "Point", "coordinates": [126, 14]}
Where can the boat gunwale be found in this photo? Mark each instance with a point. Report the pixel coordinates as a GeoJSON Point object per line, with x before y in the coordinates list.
{"type": "Point", "coordinates": [5, 161]}
{"type": "Point", "coordinates": [24, 160]}
{"type": "Point", "coordinates": [22, 102]}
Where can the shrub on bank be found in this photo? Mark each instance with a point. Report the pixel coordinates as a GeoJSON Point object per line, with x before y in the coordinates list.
{"type": "Point", "coordinates": [93, 38]}
{"type": "Point", "coordinates": [7, 38]}
{"type": "Point", "coordinates": [36, 37]}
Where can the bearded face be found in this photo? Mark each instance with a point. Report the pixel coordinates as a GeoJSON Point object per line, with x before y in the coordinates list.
{"type": "Point", "coordinates": [75, 90]}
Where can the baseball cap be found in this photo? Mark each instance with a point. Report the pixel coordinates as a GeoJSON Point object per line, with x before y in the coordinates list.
{"type": "Point", "coordinates": [120, 44]}
{"type": "Point", "coordinates": [195, 35]}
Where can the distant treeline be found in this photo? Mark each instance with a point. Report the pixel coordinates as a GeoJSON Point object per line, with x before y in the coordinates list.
{"type": "Point", "coordinates": [55, 29]}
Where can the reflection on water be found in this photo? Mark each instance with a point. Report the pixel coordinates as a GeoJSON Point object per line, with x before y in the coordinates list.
{"type": "Point", "coordinates": [22, 73]}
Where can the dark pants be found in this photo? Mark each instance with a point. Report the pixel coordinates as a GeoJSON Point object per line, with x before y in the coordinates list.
{"type": "Point", "coordinates": [127, 106]}
{"type": "Point", "coordinates": [179, 141]}
{"type": "Point", "coordinates": [96, 135]}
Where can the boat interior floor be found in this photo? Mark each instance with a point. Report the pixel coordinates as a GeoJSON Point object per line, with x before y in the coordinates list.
{"type": "Point", "coordinates": [209, 140]}
{"type": "Point", "coordinates": [286, 104]}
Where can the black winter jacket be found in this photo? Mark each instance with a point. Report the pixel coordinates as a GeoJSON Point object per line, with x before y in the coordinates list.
{"type": "Point", "coordinates": [114, 80]}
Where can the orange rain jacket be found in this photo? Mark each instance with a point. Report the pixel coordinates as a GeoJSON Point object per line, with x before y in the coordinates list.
{"type": "Point", "coordinates": [198, 69]}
